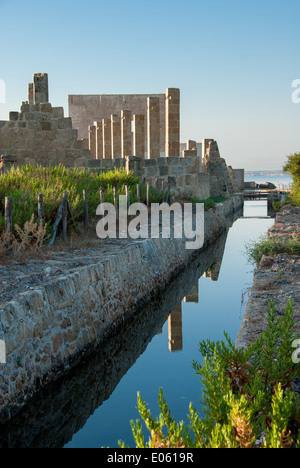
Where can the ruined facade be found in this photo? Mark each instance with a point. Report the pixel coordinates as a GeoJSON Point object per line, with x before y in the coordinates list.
{"type": "Point", "coordinates": [126, 137]}
{"type": "Point", "coordinates": [40, 133]}
{"type": "Point", "coordinates": [84, 110]}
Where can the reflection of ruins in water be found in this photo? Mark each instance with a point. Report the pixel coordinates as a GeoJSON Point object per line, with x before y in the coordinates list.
{"type": "Point", "coordinates": [60, 410]}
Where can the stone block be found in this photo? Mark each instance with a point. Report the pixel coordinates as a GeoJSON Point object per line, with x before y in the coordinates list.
{"type": "Point", "coordinates": [65, 122]}
{"type": "Point", "coordinates": [13, 116]}
{"type": "Point", "coordinates": [46, 107]}
{"type": "Point", "coordinates": [57, 112]}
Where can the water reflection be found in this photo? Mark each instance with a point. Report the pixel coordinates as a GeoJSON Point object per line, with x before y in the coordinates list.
{"type": "Point", "coordinates": [60, 410]}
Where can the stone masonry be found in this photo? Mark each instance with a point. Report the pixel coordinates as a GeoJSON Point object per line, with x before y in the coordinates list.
{"type": "Point", "coordinates": [39, 133]}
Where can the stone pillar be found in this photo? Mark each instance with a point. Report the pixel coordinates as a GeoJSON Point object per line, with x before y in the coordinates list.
{"type": "Point", "coordinates": [175, 329]}
{"type": "Point", "coordinates": [172, 122]}
{"type": "Point", "coordinates": [193, 295]}
{"type": "Point", "coordinates": [116, 136]}
{"type": "Point", "coordinates": [40, 88]}
{"type": "Point", "coordinates": [30, 93]}
{"type": "Point", "coordinates": [99, 140]}
{"type": "Point", "coordinates": [191, 145]}
{"type": "Point", "coordinates": [106, 134]}
{"type": "Point", "coordinates": [153, 128]}
{"type": "Point", "coordinates": [126, 137]}
{"type": "Point", "coordinates": [92, 140]}
{"type": "Point", "coordinates": [205, 147]}
{"type": "Point", "coordinates": [139, 135]}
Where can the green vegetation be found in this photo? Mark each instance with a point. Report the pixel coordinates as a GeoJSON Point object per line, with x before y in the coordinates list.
{"type": "Point", "coordinates": [293, 168]}
{"type": "Point", "coordinates": [26, 182]}
{"type": "Point", "coordinates": [271, 246]}
{"type": "Point", "coordinates": [248, 397]}
{"type": "Point", "coordinates": [209, 202]}
{"type": "Point", "coordinates": [277, 205]}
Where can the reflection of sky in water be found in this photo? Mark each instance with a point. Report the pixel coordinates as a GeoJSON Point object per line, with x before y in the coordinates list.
{"type": "Point", "coordinates": [219, 308]}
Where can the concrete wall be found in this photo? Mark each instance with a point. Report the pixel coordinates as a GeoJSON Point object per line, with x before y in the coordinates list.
{"type": "Point", "coordinates": [84, 110]}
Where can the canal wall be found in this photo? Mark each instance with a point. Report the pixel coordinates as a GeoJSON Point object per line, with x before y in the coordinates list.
{"type": "Point", "coordinates": [276, 277]}
{"type": "Point", "coordinates": [49, 328]}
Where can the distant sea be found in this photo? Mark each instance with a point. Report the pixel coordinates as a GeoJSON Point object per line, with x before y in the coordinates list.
{"type": "Point", "coordinates": [278, 178]}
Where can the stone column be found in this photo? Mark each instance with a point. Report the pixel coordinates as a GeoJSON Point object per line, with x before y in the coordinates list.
{"type": "Point", "coordinates": [172, 122]}
{"type": "Point", "coordinates": [99, 140]}
{"type": "Point", "coordinates": [106, 134]}
{"type": "Point", "coordinates": [175, 329]}
{"type": "Point", "coordinates": [193, 295]}
{"type": "Point", "coordinates": [40, 88]}
{"type": "Point", "coordinates": [153, 128]}
{"type": "Point", "coordinates": [30, 93]}
{"type": "Point", "coordinates": [116, 136]}
{"type": "Point", "coordinates": [139, 135]}
{"type": "Point", "coordinates": [126, 136]}
{"type": "Point", "coordinates": [191, 145]}
{"type": "Point", "coordinates": [92, 140]}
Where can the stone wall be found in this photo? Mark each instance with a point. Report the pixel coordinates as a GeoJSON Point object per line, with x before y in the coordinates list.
{"type": "Point", "coordinates": [40, 134]}
{"type": "Point", "coordinates": [48, 328]}
{"type": "Point", "coordinates": [181, 174]}
{"type": "Point", "coordinates": [84, 110]}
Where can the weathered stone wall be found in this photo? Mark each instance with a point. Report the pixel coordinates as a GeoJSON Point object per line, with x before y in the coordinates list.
{"type": "Point", "coordinates": [87, 109]}
{"type": "Point", "coordinates": [180, 173]}
{"type": "Point", "coordinates": [222, 179]}
{"type": "Point", "coordinates": [40, 134]}
{"type": "Point", "coordinates": [47, 328]}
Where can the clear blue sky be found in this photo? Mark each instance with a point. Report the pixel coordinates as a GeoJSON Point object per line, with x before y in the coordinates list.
{"type": "Point", "coordinates": [234, 61]}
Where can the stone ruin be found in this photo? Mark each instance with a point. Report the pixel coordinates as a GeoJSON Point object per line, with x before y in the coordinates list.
{"type": "Point", "coordinates": [122, 138]}
{"type": "Point", "coordinates": [40, 134]}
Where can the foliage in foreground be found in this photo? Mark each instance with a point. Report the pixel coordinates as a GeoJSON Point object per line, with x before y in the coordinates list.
{"type": "Point", "coordinates": [26, 182]}
{"type": "Point", "coordinates": [271, 246]}
{"type": "Point", "coordinates": [293, 168]}
{"type": "Point", "coordinates": [248, 396]}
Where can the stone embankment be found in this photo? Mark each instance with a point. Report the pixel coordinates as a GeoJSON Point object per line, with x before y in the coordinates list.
{"type": "Point", "coordinates": [276, 277]}
{"type": "Point", "coordinates": [52, 313]}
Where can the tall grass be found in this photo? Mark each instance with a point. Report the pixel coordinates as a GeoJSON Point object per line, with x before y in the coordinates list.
{"type": "Point", "coordinates": [26, 182]}
{"type": "Point", "coordinates": [269, 246]}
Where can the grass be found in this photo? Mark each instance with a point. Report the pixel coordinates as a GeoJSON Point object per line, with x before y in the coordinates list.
{"type": "Point", "coordinates": [209, 202]}
{"type": "Point", "coordinates": [26, 182]}
{"type": "Point", "coordinates": [269, 246]}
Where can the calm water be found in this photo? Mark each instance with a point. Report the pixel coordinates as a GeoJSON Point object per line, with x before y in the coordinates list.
{"type": "Point", "coordinates": [92, 407]}
{"type": "Point", "coordinates": [281, 181]}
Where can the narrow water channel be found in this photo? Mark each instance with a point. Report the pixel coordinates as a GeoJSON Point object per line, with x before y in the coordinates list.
{"type": "Point", "coordinates": [93, 405]}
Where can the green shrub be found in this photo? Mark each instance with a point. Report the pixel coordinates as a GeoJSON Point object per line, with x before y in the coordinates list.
{"type": "Point", "coordinates": [293, 168]}
{"type": "Point", "coordinates": [271, 246]}
{"type": "Point", "coordinates": [209, 202]}
{"type": "Point", "coordinates": [248, 397]}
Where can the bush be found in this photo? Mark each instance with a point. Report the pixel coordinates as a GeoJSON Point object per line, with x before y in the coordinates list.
{"type": "Point", "coordinates": [209, 202]}
{"type": "Point", "coordinates": [293, 168]}
{"type": "Point", "coordinates": [271, 246]}
{"type": "Point", "coordinates": [248, 396]}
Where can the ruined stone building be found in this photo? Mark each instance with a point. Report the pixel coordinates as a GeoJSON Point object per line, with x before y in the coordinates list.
{"type": "Point", "coordinates": [40, 133]}
{"type": "Point", "coordinates": [137, 132]}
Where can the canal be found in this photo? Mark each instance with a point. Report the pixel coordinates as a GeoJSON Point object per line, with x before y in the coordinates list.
{"type": "Point", "coordinates": [93, 405]}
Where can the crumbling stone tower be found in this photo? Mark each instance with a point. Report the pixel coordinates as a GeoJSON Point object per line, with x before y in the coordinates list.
{"type": "Point", "coordinates": [40, 134]}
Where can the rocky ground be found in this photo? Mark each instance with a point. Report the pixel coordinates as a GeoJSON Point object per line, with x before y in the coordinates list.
{"type": "Point", "coordinates": [277, 277]}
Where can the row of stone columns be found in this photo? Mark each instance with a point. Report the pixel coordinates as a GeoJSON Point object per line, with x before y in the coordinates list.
{"type": "Point", "coordinates": [125, 135]}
